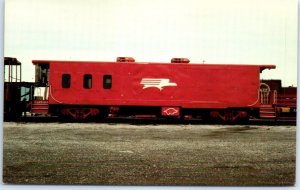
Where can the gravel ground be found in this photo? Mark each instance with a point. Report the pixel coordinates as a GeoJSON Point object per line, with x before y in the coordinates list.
{"type": "Point", "coordinates": [124, 154]}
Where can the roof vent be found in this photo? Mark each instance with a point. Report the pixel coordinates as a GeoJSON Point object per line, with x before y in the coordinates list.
{"type": "Point", "coordinates": [125, 59]}
{"type": "Point", "coordinates": [180, 60]}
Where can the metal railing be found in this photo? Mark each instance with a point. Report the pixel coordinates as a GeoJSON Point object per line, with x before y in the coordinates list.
{"type": "Point", "coordinates": [268, 97]}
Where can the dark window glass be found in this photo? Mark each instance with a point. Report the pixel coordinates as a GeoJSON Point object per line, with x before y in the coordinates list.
{"type": "Point", "coordinates": [66, 80]}
{"type": "Point", "coordinates": [107, 81]}
{"type": "Point", "coordinates": [87, 81]}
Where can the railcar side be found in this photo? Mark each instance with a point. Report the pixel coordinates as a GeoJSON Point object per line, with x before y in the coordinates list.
{"type": "Point", "coordinates": [177, 89]}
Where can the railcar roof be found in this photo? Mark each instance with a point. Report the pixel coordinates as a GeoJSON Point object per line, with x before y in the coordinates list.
{"type": "Point", "coordinates": [262, 67]}
{"type": "Point", "coordinates": [11, 61]}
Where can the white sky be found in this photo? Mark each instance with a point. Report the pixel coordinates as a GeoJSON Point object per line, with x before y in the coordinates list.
{"type": "Point", "coordinates": [217, 31]}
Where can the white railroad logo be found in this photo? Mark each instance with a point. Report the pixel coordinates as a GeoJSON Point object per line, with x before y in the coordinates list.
{"type": "Point", "coordinates": [156, 82]}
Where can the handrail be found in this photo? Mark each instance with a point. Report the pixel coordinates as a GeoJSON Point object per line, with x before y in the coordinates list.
{"type": "Point", "coordinates": [258, 91]}
{"type": "Point", "coordinates": [264, 97]}
{"type": "Point", "coordinates": [50, 93]}
{"type": "Point", "coordinates": [275, 97]}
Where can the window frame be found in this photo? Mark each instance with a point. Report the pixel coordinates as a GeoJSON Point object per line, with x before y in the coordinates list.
{"type": "Point", "coordinates": [87, 81]}
{"type": "Point", "coordinates": [105, 84]}
{"type": "Point", "coordinates": [66, 80]}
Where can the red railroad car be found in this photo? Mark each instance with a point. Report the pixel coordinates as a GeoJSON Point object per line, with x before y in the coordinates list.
{"type": "Point", "coordinates": [286, 102]}
{"type": "Point", "coordinates": [82, 89]}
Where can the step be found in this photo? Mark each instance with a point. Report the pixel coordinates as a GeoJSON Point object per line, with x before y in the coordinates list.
{"type": "Point", "coordinates": [267, 112]}
{"type": "Point", "coordinates": [40, 104]}
{"type": "Point", "coordinates": [266, 106]}
{"type": "Point", "coordinates": [269, 116]}
{"type": "Point", "coordinates": [39, 107]}
{"type": "Point", "coordinates": [45, 111]}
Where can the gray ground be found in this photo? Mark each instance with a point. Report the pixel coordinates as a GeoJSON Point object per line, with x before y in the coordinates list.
{"type": "Point", "coordinates": [121, 154]}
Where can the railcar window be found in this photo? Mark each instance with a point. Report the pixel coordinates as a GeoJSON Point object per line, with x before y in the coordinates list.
{"type": "Point", "coordinates": [66, 81]}
{"type": "Point", "coordinates": [87, 81]}
{"type": "Point", "coordinates": [107, 81]}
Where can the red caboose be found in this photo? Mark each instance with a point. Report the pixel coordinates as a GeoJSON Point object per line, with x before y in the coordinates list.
{"type": "Point", "coordinates": [82, 89]}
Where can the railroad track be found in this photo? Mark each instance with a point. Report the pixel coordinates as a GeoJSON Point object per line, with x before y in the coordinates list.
{"type": "Point", "coordinates": [150, 121]}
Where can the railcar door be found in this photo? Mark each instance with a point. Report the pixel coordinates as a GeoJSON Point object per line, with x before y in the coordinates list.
{"type": "Point", "coordinates": [40, 90]}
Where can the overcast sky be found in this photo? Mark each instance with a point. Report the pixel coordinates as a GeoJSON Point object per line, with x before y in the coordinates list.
{"type": "Point", "coordinates": [217, 31]}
